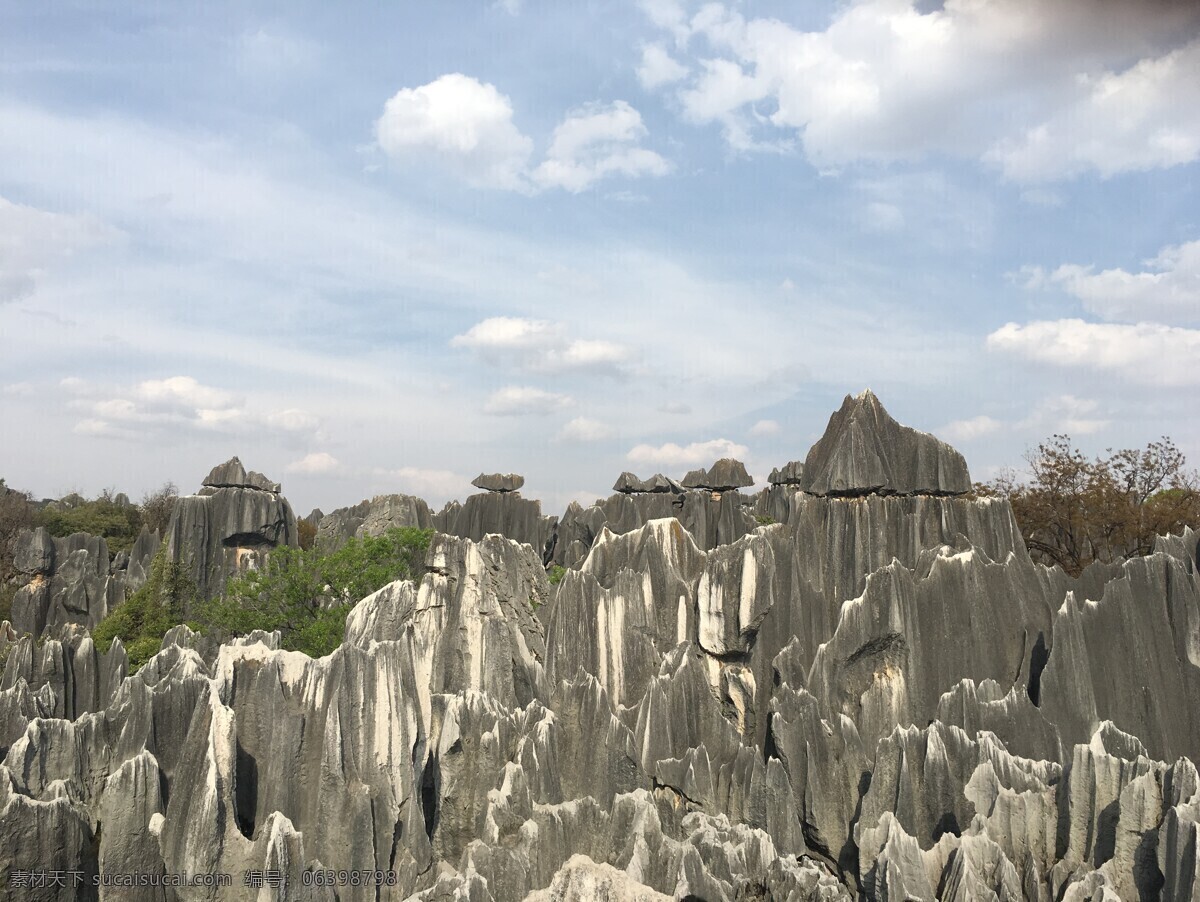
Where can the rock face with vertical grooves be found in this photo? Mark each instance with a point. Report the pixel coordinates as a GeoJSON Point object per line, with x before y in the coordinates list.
{"type": "Point", "coordinates": [864, 451]}
{"type": "Point", "coordinates": [877, 696]}
{"type": "Point", "coordinates": [229, 526]}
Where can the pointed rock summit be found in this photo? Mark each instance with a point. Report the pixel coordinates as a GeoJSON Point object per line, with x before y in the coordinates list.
{"type": "Point", "coordinates": [864, 451]}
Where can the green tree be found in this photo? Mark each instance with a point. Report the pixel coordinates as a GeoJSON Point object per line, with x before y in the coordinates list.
{"type": "Point", "coordinates": [105, 516]}
{"type": "Point", "coordinates": [306, 593]}
{"type": "Point", "coordinates": [144, 617]}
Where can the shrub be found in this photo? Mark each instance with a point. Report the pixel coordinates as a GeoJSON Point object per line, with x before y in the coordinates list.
{"type": "Point", "coordinates": [556, 573]}
{"type": "Point", "coordinates": [306, 594]}
{"type": "Point", "coordinates": [119, 524]}
{"type": "Point", "coordinates": [141, 621]}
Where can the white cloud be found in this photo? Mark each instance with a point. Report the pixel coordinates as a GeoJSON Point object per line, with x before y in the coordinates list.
{"type": "Point", "coordinates": [183, 391]}
{"type": "Point", "coordinates": [659, 68]}
{"type": "Point", "coordinates": [319, 463]}
{"type": "Point", "coordinates": [583, 429]}
{"type": "Point", "coordinates": [1169, 291]}
{"type": "Point", "coordinates": [675, 408]}
{"type": "Point", "coordinates": [990, 80]}
{"type": "Point", "coordinates": [32, 241]}
{"type": "Point", "coordinates": [765, 427]}
{"type": "Point", "coordinates": [1146, 353]}
{"type": "Point", "coordinates": [293, 420]}
{"type": "Point", "coordinates": [509, 333]}
{"type": "Point", "coordinates": [427, 483]}
{"type": "Point", "coordinates": [969, 430]}
{"type": "Point", "coordinates": [1066, 414]}
{"type": "Point", "coordinates": [518, 400]}
{"type": "Point", "coordinates": [175, 403]}
{"type": "Point", "coordinates": [594, 142]}
{"type": "Point", "coordinates": [1132, 120]}
{"type": "Point", "coordinates": [697, 454]}
{"type": "Point", "coordinates": [460, 122]}
{"type": "Point", "coordinates": [541, 346]}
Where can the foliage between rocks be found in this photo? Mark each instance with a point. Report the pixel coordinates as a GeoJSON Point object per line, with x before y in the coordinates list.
{"type": "Point", "coordinates": [105, 516]}
{"type": "Point", "coordinates": [307, 593]}
{"type": "Point", "coordinates": [141, 621]}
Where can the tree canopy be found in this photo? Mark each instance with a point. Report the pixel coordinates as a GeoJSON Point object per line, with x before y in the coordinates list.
{"type": "Point", "coordinates": [1075, 510]}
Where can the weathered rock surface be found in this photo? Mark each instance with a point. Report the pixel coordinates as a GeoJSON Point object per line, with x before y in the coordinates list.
{"type": "Point", "coordinates": [791, 473]}
{"type": "Point", "coordinates": [498, 482]}
{"type": "Point", "coordinates": [864, 451]}
{"type": "Point", "coordinates": [500, 512]}
{"type": "Point", "coordinates": [231, 525]}
{"type": "Point", "coordinates": [372, 518]}
{"type": "Point", "coordinates": [878, 696]}
{"type": "Point", "coordinates": [72, 581]}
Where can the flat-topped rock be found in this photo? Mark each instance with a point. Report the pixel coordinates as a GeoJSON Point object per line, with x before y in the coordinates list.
{"type": "Point", "coordinates": [498, 482]}
{"type": "Point", "coordinates": [791, 473]}
{"type": "Point", "coordinates": [728, 474]}
{"type": "Point", "coordinates": [628, 484]}
{"type": "Point", "coordinates": [723, 476]}
{"type": "Point", "coordinates": [864, 451]}
{"type": "Point", "coordinates": [232, 475]}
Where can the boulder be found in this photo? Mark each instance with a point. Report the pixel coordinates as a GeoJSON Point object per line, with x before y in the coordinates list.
{"type": "Point", "coordinates": [498, 482]}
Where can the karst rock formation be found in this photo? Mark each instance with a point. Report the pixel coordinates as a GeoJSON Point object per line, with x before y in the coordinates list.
{"type": "Point", "coordinates": [852, 684]}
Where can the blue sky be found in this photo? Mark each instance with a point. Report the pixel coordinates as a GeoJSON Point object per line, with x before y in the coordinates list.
{"type": "Point", "coordinates": [382, 249]}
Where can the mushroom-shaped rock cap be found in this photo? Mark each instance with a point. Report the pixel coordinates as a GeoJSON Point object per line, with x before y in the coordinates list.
{"type": "Point", "coordinates": [627, 484]}
{"type": "Point", "coordinates": [790, 473]}
{"type": "Point", "coordinates": [864, 451]}
{"type": "Point", "coordinates": [232, 475]}
{"type": "Point", "coordinates": [659, 483]}
{"type": "Point", "coordinates": [696, 479]}
{"type": "Point", "coordinates": [498, 482]}
{"type": "Point", "coordinates": [727, 474]}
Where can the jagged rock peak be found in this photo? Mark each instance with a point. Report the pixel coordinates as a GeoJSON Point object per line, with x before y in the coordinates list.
{"type": "Point", "coordinates": [790, 473]}
{"type": "Point", "coordinates": [232, 475]}
{"type": "Point", "coordinates": [864, 451]}
{"type": "Point", "coordinates": [628, 484]}
{"type": "Point", "coordinates": [498, 482]}
{"type": "Point", "coordinates": [723, 476]}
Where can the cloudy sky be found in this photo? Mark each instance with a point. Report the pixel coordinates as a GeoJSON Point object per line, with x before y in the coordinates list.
{"type": "Point", "coordinates": [376, 248]}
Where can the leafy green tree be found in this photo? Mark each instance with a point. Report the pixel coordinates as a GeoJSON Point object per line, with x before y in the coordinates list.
{"type": "Point", "coordinates": [306, 593]}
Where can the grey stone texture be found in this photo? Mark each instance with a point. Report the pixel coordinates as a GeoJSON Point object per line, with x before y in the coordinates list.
{"type": "Point", "coordinates": [879, 696]}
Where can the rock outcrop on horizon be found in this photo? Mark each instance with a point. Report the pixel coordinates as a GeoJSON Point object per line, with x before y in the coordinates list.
{"type": "Point", "coordinates": [864, 451]}
{"type": "Point", "coordinates": [877, 696]}
{"type": "Point", "coordinates": [229, 526]}
{"type": "Point", "coordinates": [372, 518]}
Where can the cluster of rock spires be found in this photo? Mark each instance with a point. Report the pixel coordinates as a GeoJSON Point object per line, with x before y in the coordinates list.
{"type": "Point", "coordinates": [878, 695]}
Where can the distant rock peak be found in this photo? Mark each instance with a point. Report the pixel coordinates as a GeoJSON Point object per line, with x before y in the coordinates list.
{"type": "Point", "coordinates": [865, 451]}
